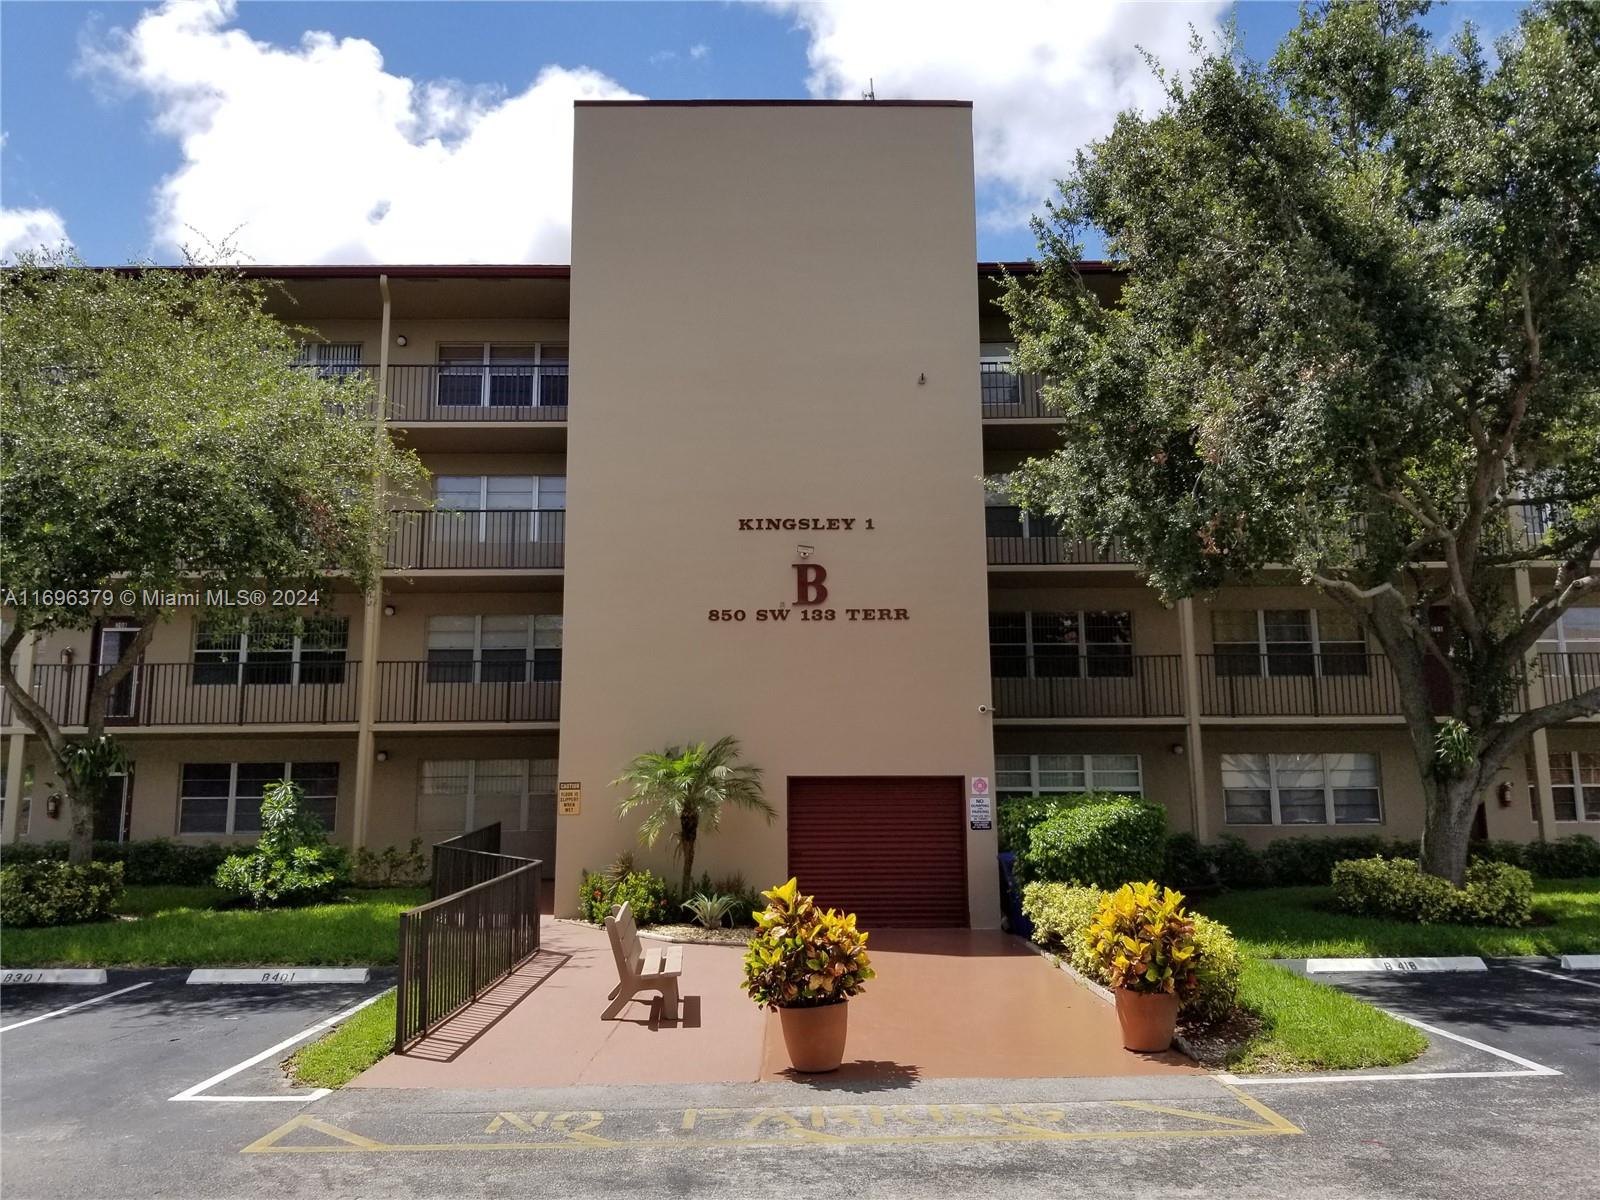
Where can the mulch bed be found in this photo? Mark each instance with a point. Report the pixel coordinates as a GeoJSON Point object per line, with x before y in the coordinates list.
{"type": "Point", "coordinates": [1212, 1044]}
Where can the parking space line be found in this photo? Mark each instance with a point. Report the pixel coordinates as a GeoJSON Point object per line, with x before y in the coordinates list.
{"type": "Point", "coordinates": [1529, 1067]}
{"type": "Point", "coordinates": [69, 1008]}
{"type": "Point", "coordinates": [1558, 975]}
{"type": "Point", "coordinates": [193, 1093]}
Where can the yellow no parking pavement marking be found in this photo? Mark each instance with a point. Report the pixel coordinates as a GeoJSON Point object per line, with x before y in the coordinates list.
{"type": "Point", "coordinates": [854, 1124]}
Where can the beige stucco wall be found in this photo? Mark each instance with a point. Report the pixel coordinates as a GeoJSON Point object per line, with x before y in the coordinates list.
{"type": "Point", "coordinates": [772, 316]}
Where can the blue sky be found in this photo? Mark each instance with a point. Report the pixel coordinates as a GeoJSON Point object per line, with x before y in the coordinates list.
{"type": "Point", "coordinates": [432, 132]}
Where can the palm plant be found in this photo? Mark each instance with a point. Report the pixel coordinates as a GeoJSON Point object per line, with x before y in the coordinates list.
{"type": "Point", "coordinates": [683, 788]}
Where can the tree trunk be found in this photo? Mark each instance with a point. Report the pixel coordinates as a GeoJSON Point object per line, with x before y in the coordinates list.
{"type": "Point", "coordinates": [1446, 827]}
{"type": "Point", "coordinates": [688, 828]}
{"type": "Point", "coordinates": [81, 799]}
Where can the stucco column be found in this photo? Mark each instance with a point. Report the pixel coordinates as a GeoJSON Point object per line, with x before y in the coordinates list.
{"type": "Point", "coordinates": [16, 752]}
{"type": "Point", "coordinates": [372, 616]}
{"type": "Point", "coordinates": [1539, 743]}
{"type": "Point", "coordinates": [1194, 746]}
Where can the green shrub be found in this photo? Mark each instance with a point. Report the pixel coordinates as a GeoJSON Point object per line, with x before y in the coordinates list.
{"type": "Point", "coordinates": [645, 894]}
{"type": "Point", "coordinates": [293, 863]}
{"type": "Point", "coordinates": [1187, 865]}
{"type": "Point", "coordinates": [155, 862]}
{"type": "Point", "coordinates": [1491, 851]}
{"type": "Point", "coordinates": [1217, 972]}
{"type": "Point", "coordinates": [593, 890]}
{"type": "Point", "coordinates": [1018, 815]}
{"type": "Point", "coordinates": [1494, 893]}
{"type": "Point", "coordinates": [803, 956]}
{"type": "Point", "coordinates": [392, 866]}
{"type": "Point", "coordinates": [1061, 914]}
{"type": "Point", "coordinates": [1105, 843]}
{"type": "Point", "coordinates": [1236, 864]}
{"type": "Point", "coordinates": [1309, 861]}
{"type": "Point", "coordinates": [57, 893]}
{"type": "Point", "coordinates": [1572, 857]}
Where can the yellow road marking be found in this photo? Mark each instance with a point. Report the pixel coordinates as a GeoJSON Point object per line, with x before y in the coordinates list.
{"type": "Point", "coordinates": [576, 1126]}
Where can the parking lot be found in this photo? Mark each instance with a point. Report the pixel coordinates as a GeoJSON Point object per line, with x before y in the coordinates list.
{"type": "Point", "coordinates": [160, 1088]}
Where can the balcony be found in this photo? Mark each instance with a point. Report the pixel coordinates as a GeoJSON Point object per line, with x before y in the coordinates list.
{"type": "Point", "coordinates": [1564, 676]}
{"type": "Point", "coordinates": [206, 693]}
{"type": "Point", "coordinates": [424, 693]}
{"type": "Point", "coordinates": [1019, 539]}
{"type": "Point", "coordinates": [1145, 685]}
{"type": "Point", "coordinates": [1009, 396]}
{"type": "Point", "coordinates": [471, 540]}
{"type": "Point", "coordinates": [1295, 684]}
{"type": "Point", "coordinates": [453, 392]}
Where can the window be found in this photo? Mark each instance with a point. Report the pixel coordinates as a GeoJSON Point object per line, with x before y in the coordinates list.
{"type": "Point", "coordinates": [270, 648]}
{"type": "Point", "coordinates": [1576, 631]}
{"type": "Point", "coordinates": [480, 375]}
{"type": "Point", "coordinates": [509, 507]}
{"type": "Point", "coordinates": [1040, 774]}
{"type": "Point", "coordinates": [330, 358]}
{"type": "Point", "coordinates": [1575, 785]}
{"type": "Point", "coordinates": [457, 795]}
{"type": "Point", "coordinates": [1002, 518]}
{"type": "Point", "coordinates": [226, 797]}
{"type": "Point", "coordinates": [1301, 789]}
{"type": "Point", "coordinates": [1054, 645]}
{"type": "Point", "coordinates": [999, 383]}
{"type": "Point", "coordinates": [494, 649]}
{"type": "Point", "coordinates": [1287, 642]}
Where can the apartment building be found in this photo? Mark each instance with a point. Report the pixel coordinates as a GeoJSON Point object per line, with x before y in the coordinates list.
{"type": "Point", "coordinates": [725, 475]}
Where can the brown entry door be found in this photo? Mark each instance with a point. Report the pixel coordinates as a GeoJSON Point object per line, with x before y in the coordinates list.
{"type": "Point", "coordinates": [891, 849]}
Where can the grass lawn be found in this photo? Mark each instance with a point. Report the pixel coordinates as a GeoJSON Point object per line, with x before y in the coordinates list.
{"type": "Point", "coordinates": [1307, 1026]}
{"type": "Point", "coordinates": [1295, 923]}
{"type": "Point", "coordinates": [179, 927]}
{"type": "Point", "coordinates": [354, 1045]}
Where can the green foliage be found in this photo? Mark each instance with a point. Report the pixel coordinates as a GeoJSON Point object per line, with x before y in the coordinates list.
{"type": "Point", "coordinates": [156, 862]}
{"type": "Point", "coordinates": [1018, 815]}
{"type": "Point", "coordinates": [1237, 864]}
{"type": "Point", "coordinates": [1061, 914]}
{"type": "Point", "coordinates": [1105, 844]}
{"type": "Point", "coordinates": [1356, 328]}
{"type": "Point", "coordinates": [593, 888]}
{"type": "Point", "coordinates": [58, 893]}
{"type": "Point", "coordinates": [803, 957]}
{"type": "Point", "coordinates": [1218, 965]}
{"type": "Point", "coordinates": [1575, 856]}
{"type": "Point", "coordinates": [392, 866]}
{"type": "Point", "coordinates": [645, 894]}
{"type": "Point", "coordinates": [1186, 865]}
{"type": "Point", "coordinates": [1144, 940]}
{"type": "Point", "coordinates": [682, 789]}
{"type": "Point", "coordinates": [352, 1046]}
{"type": "Point", "coordinates": [710, 909]}
{"type": "Point", "coordinates": [293, 863]}
{"type": "Point", "coordinates": [1494, 893]}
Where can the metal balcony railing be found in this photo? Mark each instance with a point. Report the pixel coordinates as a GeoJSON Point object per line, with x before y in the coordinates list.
{"type": "Point", "coordinates": [1016, 539]}
{"type": "Point", "coordinates": [205, 693]}
{"type": "Point", "coordinates": [1144, 685]}
{"type": "Point", "coordinates": [474, 392]}
{"type": "Point", "coordinates": [417, 692]}
{"type": "Point", "coordinates": [1292, 683]}
{"type": "Point", "coordinates": [1008, 395]}
{"type": "Point", "coordinates": [452, 540]}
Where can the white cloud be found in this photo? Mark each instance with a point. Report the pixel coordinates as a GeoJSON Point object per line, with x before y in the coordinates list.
{"type": "Point", "coordinates": [699, 52]}
{"type": "Point", "coordinates": [1045, 77]}
{"type": "Point", "coordinates": [315, 153]}
{"type": "Point", "coordinates": [30, 229]}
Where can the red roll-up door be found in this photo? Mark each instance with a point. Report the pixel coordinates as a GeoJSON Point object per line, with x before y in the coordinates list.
{"type": "Point", "coordinates": [892, 850]}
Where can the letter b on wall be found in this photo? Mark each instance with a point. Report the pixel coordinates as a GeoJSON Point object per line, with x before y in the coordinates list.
{"type": "Point", "coordinates": [809, 587]}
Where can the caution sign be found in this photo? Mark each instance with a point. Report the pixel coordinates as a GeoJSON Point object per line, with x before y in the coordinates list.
{"type": "Point", "coordinates": [569, 799]}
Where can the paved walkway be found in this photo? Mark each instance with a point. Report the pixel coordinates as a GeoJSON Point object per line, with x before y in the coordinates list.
{"type": "Point", "coordinates": [946, 1004]}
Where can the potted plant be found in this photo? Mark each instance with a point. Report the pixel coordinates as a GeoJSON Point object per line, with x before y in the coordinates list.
{"type": "Point", "coordinates": [1144, 942]}
{"type": "Point", "coordinates": [806, 963]}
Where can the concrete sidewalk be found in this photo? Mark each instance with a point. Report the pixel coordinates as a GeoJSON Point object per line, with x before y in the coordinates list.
{"type": "Point", "coordinates": [946, 1004]}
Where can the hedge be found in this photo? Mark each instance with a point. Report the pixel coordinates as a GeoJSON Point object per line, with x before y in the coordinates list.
{"type": "Point", "coordinates": [1061, 914]}
{"type": "Point", "coordinates": [1494, 893]}
{"type": "Point", "coordinates": [1019, 815]}
{"type": "Point", "coordinates": [57, 893]}
{"type": "Point", "coordinates": [1104, 844]}
{"type": "Point", "coordinates": [156, 862]}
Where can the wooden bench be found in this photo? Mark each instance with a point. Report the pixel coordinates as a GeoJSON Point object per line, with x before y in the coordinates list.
{"type": "Point", "coordinates": [641, 970]}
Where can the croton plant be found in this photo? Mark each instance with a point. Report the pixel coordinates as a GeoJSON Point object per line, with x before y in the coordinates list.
{"type": "Point", "coordinates": [802, 956]}
{"type": "Point", "coordinates": [1145, 940]}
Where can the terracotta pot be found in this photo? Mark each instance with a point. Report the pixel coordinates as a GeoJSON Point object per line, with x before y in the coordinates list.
{"type": "Point", "coordinates": [814, 1037]}
{"type": "Point", "coordinates": [1148, 1019]}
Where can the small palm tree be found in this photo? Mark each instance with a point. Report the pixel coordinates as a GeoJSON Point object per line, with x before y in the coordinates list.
{"type": "Point", "coordinates": [689, 786]}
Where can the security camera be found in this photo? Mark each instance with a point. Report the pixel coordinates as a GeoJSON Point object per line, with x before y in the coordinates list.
{"type": "Point", "coordinates": [984, 708]}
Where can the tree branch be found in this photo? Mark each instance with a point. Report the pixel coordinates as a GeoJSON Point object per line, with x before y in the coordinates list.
{"type": "Point", "coordinates": [32, 712]}
{"type": "Point", "coordinates": [106, 681]}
